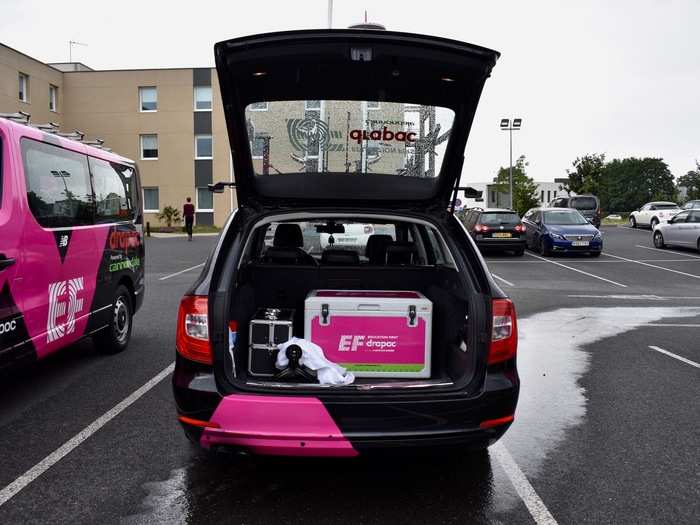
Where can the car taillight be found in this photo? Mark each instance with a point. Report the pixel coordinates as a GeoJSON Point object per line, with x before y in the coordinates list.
{"type": "Point", "coordinates": [192, 335]}
{"type": "Point", "coordinates": [480, 228]}
{"type": "Point", "coordinates": [369, 229]}
{"type": "Point", "coordinates": [504, 334]}
{"type": "Point", "coordinates": [520, 228]}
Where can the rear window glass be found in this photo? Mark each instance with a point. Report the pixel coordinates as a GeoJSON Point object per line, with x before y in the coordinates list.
{"type": "Point", "coordinates": [584, 203]}
{"type": "Point", "coordinates": [499, 219]}
{"type": "Point", "coordinates": [666, 206]}
{"type": "Point", "coordinates": [343, 136]}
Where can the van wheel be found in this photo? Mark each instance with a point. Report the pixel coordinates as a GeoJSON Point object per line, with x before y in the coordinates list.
{"type": "Point", "coordinates": [115, 337]}
{"type": "Point", "coordinates": [659, 240]}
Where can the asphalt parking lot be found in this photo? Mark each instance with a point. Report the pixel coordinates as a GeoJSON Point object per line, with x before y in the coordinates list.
{"type": "Point", "coordinates": [607, 428]}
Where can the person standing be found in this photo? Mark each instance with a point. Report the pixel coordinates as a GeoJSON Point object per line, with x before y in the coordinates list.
{"type": "Point", "coordinates": [188, 214]}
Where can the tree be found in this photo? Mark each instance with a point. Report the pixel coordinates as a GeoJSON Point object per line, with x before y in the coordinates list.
{"type": "Point", "coordinates": [524, 188]}
{"type": "Point", "coordinates": [629, 183]}
{"type": "Point", "coordinates": [169, 215]}
{"type": "Point", "coordinates": [691, 182]}
{"type": "Point", "coordinates": [587, 174]}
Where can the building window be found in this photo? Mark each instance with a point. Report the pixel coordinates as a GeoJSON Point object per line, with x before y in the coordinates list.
{"type": "Point", "coordinates": [548, 195]}
{"type": "Point", "coordinates": [493, 196]}
{"type": "Point", "coordinates": [205, 200]}
{"type": "Point", "coordinates": [258, 106]}
{"type": "Point", "coordinates": [24, 87]}
{"type": "Point", "coordinates": [373, 104]}
{"type": "Point", "coordinates": [150, 200]}
{"type": "Point", "coordinates": [258, 147]}
{"type": "Point", "coordinates": [202, 98]}
{"type": "Point", "coordinates": [555, 194]}
{"type": "Point", "coordinates": [53, 98]}
{"type": "Point", "coordinates": [203, 147]}
{"type": "Point", "coordinates": [149, 147]}
{"type": "Point", "coordinates": [148, 99]}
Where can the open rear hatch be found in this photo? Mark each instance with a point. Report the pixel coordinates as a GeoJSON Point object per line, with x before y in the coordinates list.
{"type": "Point", "coordinates": [349, 116]}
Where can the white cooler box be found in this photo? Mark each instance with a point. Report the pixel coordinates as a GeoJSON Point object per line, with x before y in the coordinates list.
{"type": "Point", "coordinates": [372, 333]}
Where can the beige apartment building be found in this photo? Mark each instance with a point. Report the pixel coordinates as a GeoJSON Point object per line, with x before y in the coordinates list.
{"type": "Point", "coordinates": [170, 121]}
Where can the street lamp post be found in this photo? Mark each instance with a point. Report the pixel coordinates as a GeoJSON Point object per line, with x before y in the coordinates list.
{"type": "Point", "coordinates": [510, 126]}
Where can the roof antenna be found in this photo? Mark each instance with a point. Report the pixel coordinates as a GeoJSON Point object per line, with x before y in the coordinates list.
{"type": "Point", "coordinates": [72, 43]}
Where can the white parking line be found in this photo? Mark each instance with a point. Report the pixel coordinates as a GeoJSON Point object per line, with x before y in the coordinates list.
{"type": "Point", "coordinates": [49, 461]}
{"type": "Point", "coordinates": [502, 280]}
{"type": "Point", "coordinates": [635, 297]}
{"type": "Point", "coordinates": [577, 270]}
{"type": "Point", "coordinates": [671, 354]}
{"type": "Point", "coordinates": [653, 266]}
{"type": "Point", "coordinates": [538, 510]}
{"type": "Point", "coordinates": [676, 325]}
{"type": "Point", "coordinates": [181, 272]}
{"type": "Point", "coordinates": [666, 251]}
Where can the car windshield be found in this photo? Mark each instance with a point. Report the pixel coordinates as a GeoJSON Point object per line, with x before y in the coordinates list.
{"type": "Point", "coordinates": [348, 136]}
{"type": "Point", "coordinates": [563, 217]}
{"type": "Point", "coordinates": [499, 219]}
{"type": "Point", "coordinates": [584, 203]}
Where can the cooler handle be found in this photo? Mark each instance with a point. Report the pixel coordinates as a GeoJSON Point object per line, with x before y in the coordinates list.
{"type": "Point", "coordinates": [366, 306]}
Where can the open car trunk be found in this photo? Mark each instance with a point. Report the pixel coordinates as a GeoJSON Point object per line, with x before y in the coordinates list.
{"type": "Point", "coordinates": [265, 283]}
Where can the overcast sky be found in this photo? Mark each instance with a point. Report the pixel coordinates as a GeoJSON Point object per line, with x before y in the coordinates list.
{"type": "Point", "coordinates": [621, 77]}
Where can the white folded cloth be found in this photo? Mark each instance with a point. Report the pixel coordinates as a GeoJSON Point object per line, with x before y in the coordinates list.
{"type": "Point", "coordinates": [312, 357]}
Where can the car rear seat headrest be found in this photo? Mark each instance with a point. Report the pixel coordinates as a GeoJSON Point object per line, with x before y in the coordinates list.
{"type": "Point", "coordinates": [288, 236]}
{"type": "Point", "coordinates": [376, 248]}
{"type": "Point", "coordinates": [340, 257]}
{"type": "Point", "coordinates": [401, 253]}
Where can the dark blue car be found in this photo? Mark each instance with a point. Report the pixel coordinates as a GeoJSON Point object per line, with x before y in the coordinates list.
{"type": "Point", "coordinates": [550, 230]}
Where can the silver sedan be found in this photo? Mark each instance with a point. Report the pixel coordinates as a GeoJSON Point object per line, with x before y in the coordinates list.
{"type": "Point", "coordinates": [681, 230]}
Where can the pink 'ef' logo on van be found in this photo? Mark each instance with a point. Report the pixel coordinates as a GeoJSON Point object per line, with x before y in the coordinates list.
{"type": "Point", "coordinates": [63, 302]}
{"type": "Point", "coordinates": [351, 343]}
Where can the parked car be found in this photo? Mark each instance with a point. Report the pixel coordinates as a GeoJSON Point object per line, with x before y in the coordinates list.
{"type": "Point", "coordinates": [588, 205]}
{"type": "Point", "coordinates": [470, 393]}
{"type": "Point", "coordinates": [691, 205]}
{"type": "Point", "coordinates": [71, 249]}
{"type": "Point", "coordinates": [653, 213]}
{"type": "Point", "coordinates": [681, 230]}
{"type": "Point", "coordinates": [496, 229]}
{"type": "Point", "coordinates": [554, 230]}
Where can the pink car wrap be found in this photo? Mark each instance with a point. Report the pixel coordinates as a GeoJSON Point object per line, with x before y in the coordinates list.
{"type": "Point", "coordinates": [59, 285]}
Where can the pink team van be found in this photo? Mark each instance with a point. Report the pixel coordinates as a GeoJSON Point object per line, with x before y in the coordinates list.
{"type": "Point", "coordinates": [71, 249]}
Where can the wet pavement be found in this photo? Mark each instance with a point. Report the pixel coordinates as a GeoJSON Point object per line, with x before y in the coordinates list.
{"type": "Point", "coordinates": [606, 429]}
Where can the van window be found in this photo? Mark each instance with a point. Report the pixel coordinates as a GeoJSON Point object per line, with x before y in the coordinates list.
{"type": "Point", "coordinates": [584, 203]}
{"type": "Point", "coordinates": [113, 190]}
{"type": "Point", "coordinates": [58, 185]}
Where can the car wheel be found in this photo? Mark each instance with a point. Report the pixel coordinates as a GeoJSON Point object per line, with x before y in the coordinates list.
{"type": "Point", "coordinates": [659, 240]}
{"type": "Point", "coordinates": [699, 245]}
{"type": "Point", "coordinates": [633, 222]}
{"type": "Point", "coordinates": [654, 223]}
{"type": "Point", "coordinates": [520, 252]}
{"type": "Point", "coordinates": [115, 337]}
{"type": "Point", "coordinates": [542, 248]}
